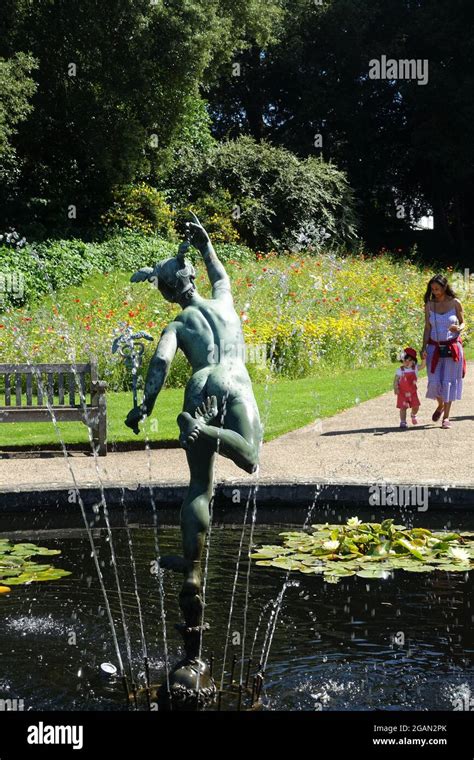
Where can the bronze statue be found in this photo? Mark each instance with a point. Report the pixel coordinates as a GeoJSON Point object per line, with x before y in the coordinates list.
{"type": "Point", "coordinates": [220, 414]}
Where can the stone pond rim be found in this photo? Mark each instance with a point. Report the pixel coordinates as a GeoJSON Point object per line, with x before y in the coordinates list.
{"type": "Point", "coordinates": [276, 497]}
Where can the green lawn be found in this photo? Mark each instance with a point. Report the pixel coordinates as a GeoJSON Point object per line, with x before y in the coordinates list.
{"type": "Point", "coordinates": [284, 405]}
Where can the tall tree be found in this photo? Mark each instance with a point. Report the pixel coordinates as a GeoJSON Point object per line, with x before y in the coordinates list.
{"type": "Point", "coordinates": [111, 77]}
{"type": "Point", "coordinates": [16, 89]}
{"type": "Point", "coordinates": [408, 148]}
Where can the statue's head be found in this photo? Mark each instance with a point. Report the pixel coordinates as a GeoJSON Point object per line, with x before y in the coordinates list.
{"type": "Point", "coordinates": [175, 277]}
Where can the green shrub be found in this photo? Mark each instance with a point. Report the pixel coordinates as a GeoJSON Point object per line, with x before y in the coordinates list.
{"type": "Point", "coordinates": [56, 264]}
{"type": "Point", "coordinates": [276, 198]}
{"type": "Point", "coordinates": [216, 214]}
{"type": "Point", "coordinates": [140, 208]}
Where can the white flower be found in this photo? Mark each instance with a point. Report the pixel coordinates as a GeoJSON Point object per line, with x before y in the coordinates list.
{"type": "Point", "coordinates": [455, 552]}
{"type": "Point", "coordinates": [354, 522]}
{"type": "Point", "coordinates": [331, 546]}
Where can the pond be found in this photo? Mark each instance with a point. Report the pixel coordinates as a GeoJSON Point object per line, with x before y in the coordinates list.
{"type": "Point", "coordinates": [402, 643]}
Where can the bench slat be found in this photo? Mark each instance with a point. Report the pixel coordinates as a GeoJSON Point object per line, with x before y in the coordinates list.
{"type": "Point", "coordinates": [18, 389]}
{"type": "Point", "coordinates": [72, 389]}
{"type": "Point", "coordinates": [29, 390]}
{"type": "Point", "coordinates": [60, 388]}
{"type": "Point", "coordinates": [50, 387]}
{"type": "Point", "coordinates": [82, 388]}
{"type": "Point", "coordinates": [39, 381]}
{"type": "Point", "coordinates": [7, 390]}
{"type": "Point", "coordinates": [35, 414]}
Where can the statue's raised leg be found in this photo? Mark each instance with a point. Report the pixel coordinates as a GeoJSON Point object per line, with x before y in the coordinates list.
{"type": "Point", "coordinates": [239, 440]}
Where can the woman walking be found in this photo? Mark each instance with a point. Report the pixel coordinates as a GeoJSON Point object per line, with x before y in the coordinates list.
{"type": "Point", "coordinates": [442, 346]}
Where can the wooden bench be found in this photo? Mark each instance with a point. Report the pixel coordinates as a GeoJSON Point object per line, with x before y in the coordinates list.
{"type": "Point", "coordinates": [57, 384]}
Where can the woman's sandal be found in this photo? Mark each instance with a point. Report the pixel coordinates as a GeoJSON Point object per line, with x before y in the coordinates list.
{"type": "Point", "coordinates": [446, 424]}
{"type": "Point", "coordinates": [437, 414]}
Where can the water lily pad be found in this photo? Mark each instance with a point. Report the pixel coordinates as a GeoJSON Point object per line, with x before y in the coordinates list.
{"type": "Point", "coordinates": [373, 548]}
{"type": "Point", "coordinates": [8, 560]}
{"type": "Point", "coordinates": [285, 564]}
{"type": "Point", "coordinates": [373, 573]}
{"type": "Point", "coordinates": [332, 578]}
{"type": "Point", "coordinates": [459, 567]}
{"type": "Point", "coordinates": [6, 572]}
{"type": "Point", "coordinates": [341, 571]}
{"type": "Point", "coordinates": [308, 560]}
{"type": "Point", "coordinates": [265, 554]}
{"type": "Point", "coordinates": [51, 575]}
{"type": "Point", "coordinates": [17, 567]}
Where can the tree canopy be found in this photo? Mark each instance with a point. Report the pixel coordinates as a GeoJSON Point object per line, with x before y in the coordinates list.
{"type": "Point", "coordinates": [408, 148]}
{"type": "Point", "coordinates": [99, 95]}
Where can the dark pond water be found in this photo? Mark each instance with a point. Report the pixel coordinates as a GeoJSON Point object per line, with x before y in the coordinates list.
{"type": "Point", "coordinates": [401, 643]}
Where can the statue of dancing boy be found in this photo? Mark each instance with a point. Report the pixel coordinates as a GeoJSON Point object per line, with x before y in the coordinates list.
{"type": "Point", "coordinates": [219, 414]}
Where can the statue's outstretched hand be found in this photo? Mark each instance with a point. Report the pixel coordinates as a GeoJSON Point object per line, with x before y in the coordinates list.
{"type": "Point", "coordinates": [134, 416]}
{"type": "Point", "coordinates": [196, 233]}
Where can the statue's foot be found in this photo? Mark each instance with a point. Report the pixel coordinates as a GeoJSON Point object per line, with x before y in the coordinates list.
{"type": "Point", "coordinates": [174, 562]}
{"type": "Point", "coordinates": [190, 429]}
{"type": "Point", "coordinates": [207, 411]}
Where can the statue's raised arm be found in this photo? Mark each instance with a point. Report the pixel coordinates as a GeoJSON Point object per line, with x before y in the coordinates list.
{"type": "Point", "coordinates": [199, 238]}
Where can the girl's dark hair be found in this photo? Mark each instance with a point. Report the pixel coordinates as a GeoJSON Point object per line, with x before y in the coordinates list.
{"type": "Point", "coordinates": [439, 279]}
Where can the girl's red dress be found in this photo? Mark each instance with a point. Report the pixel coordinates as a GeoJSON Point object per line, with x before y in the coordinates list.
{"type": "Point", "coordinates": [407, 396]}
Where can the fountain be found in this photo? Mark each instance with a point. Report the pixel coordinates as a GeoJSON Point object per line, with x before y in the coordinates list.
{"type": "Point", "coordinates": [334, 660]}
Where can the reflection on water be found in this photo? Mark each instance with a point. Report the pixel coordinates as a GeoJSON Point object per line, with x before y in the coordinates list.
{"type": "Point", "coordinates": [400, 643]}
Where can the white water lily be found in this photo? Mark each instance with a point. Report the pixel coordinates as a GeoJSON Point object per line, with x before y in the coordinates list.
{"type": "Point", "coordinates": [353, 522]}
{"type": "Point", "coordinates": [331, 546]}
{"type": "Point", "coordinates": [455, 552]}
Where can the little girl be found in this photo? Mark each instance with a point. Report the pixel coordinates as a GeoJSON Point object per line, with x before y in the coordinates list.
{"type": "Point", "coordinates": [405, 387]}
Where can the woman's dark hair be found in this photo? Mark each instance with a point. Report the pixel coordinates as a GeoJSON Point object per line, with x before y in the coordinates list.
{"type": "Point", "coordinates": [441, 280]}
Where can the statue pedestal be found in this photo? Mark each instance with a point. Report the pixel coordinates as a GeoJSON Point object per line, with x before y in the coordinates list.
{"type": "Point", "coordinates": [191, 685]}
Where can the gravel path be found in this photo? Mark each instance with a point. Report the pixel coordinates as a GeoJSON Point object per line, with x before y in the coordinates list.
{"type": "Point", "coordinates": [360, 445]}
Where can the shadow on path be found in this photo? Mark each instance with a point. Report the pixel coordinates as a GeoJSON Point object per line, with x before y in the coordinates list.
{"type": "Point", "coordinates": [378, 431]}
